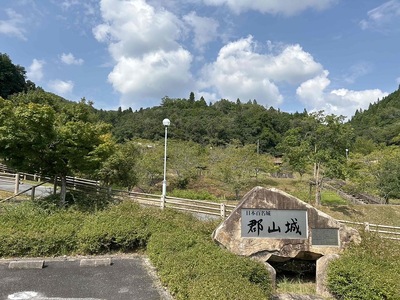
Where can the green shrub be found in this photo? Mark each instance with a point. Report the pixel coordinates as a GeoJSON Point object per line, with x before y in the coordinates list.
{"type": "Point", "coordinates": [367, 271]}
{"type": "Point", "coordinates": [121, 228]}
{"type": "Point", "coordinates": [186, 259]}
{"type": "Point", "coordinates": [84, 201]}
{"type": "Point", "coordinates": [195, 195]}
{"type": "Point", "coordinates": [28, 230]}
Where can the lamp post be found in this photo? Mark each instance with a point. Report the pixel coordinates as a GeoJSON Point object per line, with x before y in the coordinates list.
{"type": "Point", "coordinates": [166, 123]}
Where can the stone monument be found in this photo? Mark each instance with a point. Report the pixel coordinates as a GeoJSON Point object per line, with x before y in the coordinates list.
{"type": "Point", "coordinates": [273, 226]}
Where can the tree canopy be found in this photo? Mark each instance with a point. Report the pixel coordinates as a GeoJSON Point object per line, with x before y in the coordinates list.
{"type": "Point", "coordinates": [380, 123]}
{"type": "Point", "coordinates": [193, 120]}
{"type": "Point", "coordinates": [12, 77]}
{"type": "Point", "coordinates": [36, 138]}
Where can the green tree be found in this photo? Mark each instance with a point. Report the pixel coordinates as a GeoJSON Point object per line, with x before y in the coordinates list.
{"type": "Point", "coordinates": [235, 165]}
{"type": "Point", "coordinates": [364, 146]}
{"type": "Point", "coordinates": [297, 151]}
{"type": "Point", "coordinates": [386, 170]}
{"type": "Point", "coordinates": [192, 99]}
{"type": "Point", "coordinates": [150, 165]}
{"type": "Point", "coordinates": [121, 167]}
{"type": "Point", "coordinates": [12, 77]}
{"type": "Point", "coordinates": [321, 140]}
{"type": "Point", "coordinates": [185, 160]}
{"type": "Point", "coordinates": [36, 138]}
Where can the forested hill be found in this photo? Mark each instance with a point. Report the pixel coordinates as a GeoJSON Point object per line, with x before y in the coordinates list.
{"type": "Point", "coordinates": [223, 121]}
{"type": "Point", "coordinates": [216, 124]}
{"type": "Point", "coordinates": [381, 121]}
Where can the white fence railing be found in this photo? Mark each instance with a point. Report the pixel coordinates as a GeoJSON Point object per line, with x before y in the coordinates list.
{"type": "Point", "coordinates": [7, 177]}
{"type": "Point", "coordinates": [387, 232]}
{"type": "Point", "coordinates": [202, 207]}
{"type": "Point", "coordinates": [11, 178]}
{"type": "Point", "coordinates": [194, 206]}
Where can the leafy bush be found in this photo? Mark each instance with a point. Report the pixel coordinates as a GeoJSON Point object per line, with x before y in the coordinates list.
{"type": "Point", "coordinates": [28, 230]}
{"type": "Point", "coordinates": [190, 194]}
{"type": "Point", "coordinates": [88, 201]}
{"type": "Point", "coordinates": [121, 228]}
{"type": "Point", "coordinates": [194, 268]}
{"type": "Point", "coordinates": [367, 271]}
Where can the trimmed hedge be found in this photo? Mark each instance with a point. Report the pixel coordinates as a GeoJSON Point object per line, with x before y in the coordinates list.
{"type": "Point", "coordinates": [27, 230]}
{"type": "Point", "coordinates": [194, 268]}
{"type": "Point", "coordinates": [179, 245]}
{"type": "Point", "coordinates": [367, 271]}
{"type": "Point", "coordinates": [121, 228]}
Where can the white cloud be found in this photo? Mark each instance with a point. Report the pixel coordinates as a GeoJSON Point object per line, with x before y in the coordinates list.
{"type": "Point", "coordinates": [70, 59]}
{"type": "Point", "coordinates": [311, 92]}
{"type": "Point", "coordinates": [14, 25]}
{"type": "Point", "coordinates": [285, 7]}
{"type": "Point", "coordinates": [356, 71]}
{"type": "Point", "coordinates": [133, 28]}
{"type": "Point", "coordinates": [150, 62]}
{"type": "Point", "coordinates": [344, 102]}
{"type": "Point", "coordinates": [293, 65]}
{"type": "Point", "coordinates": [143, 41]}
{"type": "Point", "coordinates": [61, 87]}
{"type": "Point", "coordinates": [66, 4]}
{"type": "Point", "coordinates": [151, 77]}
{"type": "Point", "coordinates": [208, 97]}
{"type": "Point", "coordinates": [35, 70]}
{"type": "Point", "coordinates": [205, 29]}
{"type": "Point", "coordinates": [242, 72]}
{"type": "Point", "coordinates": [382, 15]}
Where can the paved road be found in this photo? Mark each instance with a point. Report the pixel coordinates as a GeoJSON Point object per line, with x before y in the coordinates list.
{"type": "Point", "coordinates": [39, 191]}
{"type": "Point", "coordinates": [125, 279]}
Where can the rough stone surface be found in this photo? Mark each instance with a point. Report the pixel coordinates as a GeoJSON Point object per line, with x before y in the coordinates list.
{"type": "Point", "coordinates": [228, 234]}
{"type": "Point", "coordinates": [321, 276]}
{"type": "Point", "coordinates": [95, 262]}
{"type": "Point", "coordinates": [26, 264]}
{"type": "Point", "coordinates": [272, 273]}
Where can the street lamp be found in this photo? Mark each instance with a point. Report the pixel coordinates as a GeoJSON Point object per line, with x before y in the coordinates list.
{"type": "Point", "coordinates": [166, 123]}
{"type": "Point", "coordinates": [347, 153]}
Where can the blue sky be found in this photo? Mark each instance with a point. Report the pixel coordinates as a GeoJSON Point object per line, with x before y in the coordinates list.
{"type": "Point", "coordinates": [332, 55]}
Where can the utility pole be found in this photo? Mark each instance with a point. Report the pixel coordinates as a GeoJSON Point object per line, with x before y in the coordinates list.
{"type": "Point", "coordinates": [258, 154]}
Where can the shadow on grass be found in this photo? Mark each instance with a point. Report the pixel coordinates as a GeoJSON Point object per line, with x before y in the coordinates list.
{"type": "Point", "coordinates": [346, 210]}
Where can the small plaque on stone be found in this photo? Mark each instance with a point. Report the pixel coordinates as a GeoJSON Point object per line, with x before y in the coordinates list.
{"type": "Point", "coordinates": [325, 236]}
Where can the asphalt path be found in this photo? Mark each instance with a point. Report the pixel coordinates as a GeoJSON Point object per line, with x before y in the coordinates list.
{"type": "Point", "coordinates": [40, 191]}
{"type": "Point", "coordinates": [123, 279]}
